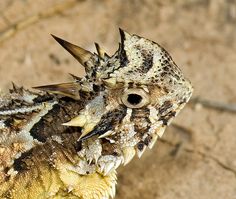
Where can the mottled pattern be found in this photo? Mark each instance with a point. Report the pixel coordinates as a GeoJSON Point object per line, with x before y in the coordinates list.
{"type": "Point", "coordinates": [68, 140]}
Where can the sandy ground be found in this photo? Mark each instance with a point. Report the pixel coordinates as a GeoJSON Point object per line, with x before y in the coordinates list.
{"type": "Point", "coordinates": [197, 157]}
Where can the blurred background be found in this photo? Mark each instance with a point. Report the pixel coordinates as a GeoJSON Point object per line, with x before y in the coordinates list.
{"type": "Point", "coordinates": [197, 156]}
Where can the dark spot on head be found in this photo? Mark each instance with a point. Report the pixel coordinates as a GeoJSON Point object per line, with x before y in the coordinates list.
{"type": "Point", "coordinates": [163, 74]}
{"type": "Point", "coordinates": [131, 84]}
{"type": "Point", "coordinates": [115, 153]}
{"type": "Point", "coordinates": [147, 140]}
{"type": "Point", "coordinates": [166, 68]}
{"type": "Point", "coordinates": [140, 145]}
{"type": "Point", "coordinates": [95, 88]}
{"type": "Point", "coordinates": [147, 60]}
{"type": "Point", "coordinates": [177, 77]}
{"type": "Point", "coordinates": [165, 89]}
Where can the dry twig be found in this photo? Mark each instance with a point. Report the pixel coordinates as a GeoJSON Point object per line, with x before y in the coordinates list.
{"type": "Point", "coordinates": [213, 104]}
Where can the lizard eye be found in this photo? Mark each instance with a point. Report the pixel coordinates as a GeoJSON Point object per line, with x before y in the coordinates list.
{"type": "Point", "coordinates": [135, 98]}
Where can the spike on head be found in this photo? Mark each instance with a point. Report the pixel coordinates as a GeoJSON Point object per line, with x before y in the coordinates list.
{"type": "Point", "coordinates": [70, 89]}
{"type": "Point", "coordinates": [124, 35]}
{"type": "Point", "coordinates": [16, 88]}
{"type": "Point", "coordinates": [106, 56]}
{"type": "Point", "coordinates": [122, 38]}
{"type": "Point", "coordinates": [82, 55]}
{"type": "Point", "coordinates": [76, 78]}
{"type": "Point", "coordinates": [100, 51]}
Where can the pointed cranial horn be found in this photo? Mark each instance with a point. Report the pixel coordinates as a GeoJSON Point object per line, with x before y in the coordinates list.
{"type": "Point", "coordinates": [124, 36]}
{"type": "Point", "coordinates": [16, 89]}
{"type": "Point", "coordinates": [70, 89]}
{"type": "Point", "coordinates": [101, 52]}
{"type": "Point", "coordinates": [82, 55]}
{"type": "Point", "coordinates": [122, 47]}
{"type": "Point", "coordinates": [76, 78]}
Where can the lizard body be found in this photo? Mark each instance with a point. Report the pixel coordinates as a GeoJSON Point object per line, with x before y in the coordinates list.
{"type": "Point", "coordinates": [67, 140]}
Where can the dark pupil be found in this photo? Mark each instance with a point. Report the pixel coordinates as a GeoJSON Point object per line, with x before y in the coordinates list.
{"type": "Point", "coordinates": [134, 99]}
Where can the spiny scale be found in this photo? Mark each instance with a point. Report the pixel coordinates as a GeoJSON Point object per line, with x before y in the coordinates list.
{"type": "Point", "coordinates": [101, 52]}
{"type": "Point", "coordinates": [67, 140]}
{"type": "Point", "coordinates": [82, 55]}
{"type": "Point", "coordinates": [70, 89]}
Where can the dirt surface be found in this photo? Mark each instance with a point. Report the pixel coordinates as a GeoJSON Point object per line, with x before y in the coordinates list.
{"type": "Point", "coordinates": [197, 156]}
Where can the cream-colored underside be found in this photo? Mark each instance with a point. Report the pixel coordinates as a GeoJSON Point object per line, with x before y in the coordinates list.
{"type": "Point", "coordinates": [45, 182]}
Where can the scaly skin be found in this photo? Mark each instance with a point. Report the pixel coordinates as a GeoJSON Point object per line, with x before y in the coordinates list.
{"type": "Point", "coordinates": [67, 140]}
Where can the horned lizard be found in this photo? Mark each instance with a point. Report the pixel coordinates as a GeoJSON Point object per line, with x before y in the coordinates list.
{"type": "Point", "coordinates": [67, 140]}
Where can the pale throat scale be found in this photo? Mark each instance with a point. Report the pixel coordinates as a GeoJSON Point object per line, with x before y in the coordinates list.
{"type": "Point", "coordinates": [67, 140]}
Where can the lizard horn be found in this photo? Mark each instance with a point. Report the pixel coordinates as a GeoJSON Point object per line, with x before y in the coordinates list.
{"type": "Point", "coordinates": [70, 89]}
{"type": "Point", "coordinates": [83, 56]}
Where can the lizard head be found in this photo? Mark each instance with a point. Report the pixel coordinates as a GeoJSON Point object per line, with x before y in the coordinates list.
{"type": "Point", "coordinates": [136, 93]}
